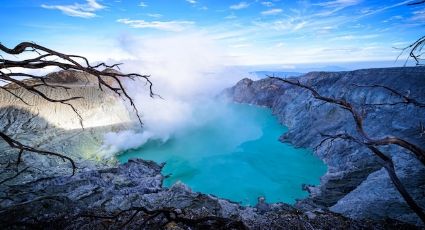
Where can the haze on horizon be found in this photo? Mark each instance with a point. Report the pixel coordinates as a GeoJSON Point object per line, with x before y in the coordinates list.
{"type": "Point", "coordinates": [248, 33]}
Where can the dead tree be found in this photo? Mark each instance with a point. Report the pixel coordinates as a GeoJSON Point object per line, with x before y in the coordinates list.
{"type": "Point", "coordinates": [415, 50]}
{"type": "Point", "coordinates": [166, 216]}
{"type": "Point", "coordinates": [45, 57]}
{"type": "Point", "coordinates": [363, 139]}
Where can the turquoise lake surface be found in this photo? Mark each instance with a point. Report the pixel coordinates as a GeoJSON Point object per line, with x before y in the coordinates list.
{"type": "Point", "coordinates": [235, 154]}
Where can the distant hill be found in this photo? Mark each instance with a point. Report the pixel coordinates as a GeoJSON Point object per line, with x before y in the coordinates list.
{"type": "Point", "coordinates": [264, 74]}
{"type": "Point", "coordinates": [296, 72]}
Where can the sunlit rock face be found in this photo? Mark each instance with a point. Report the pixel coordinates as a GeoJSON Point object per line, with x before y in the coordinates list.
{"type": "Point", "coordinates": [55, 126]}
{"type": "Point", "coordinates": [96, 107]}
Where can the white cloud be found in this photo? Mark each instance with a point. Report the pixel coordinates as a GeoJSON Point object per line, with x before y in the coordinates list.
{"type": "Point", "coordinates": [268, 4]}
{"type": "Point", "coordinates": [280, 44]}
{"type": "Point", "coordinates": [155, 15]}
{"type": "Point", "coordinates": [242, 45]}
{"type": "Point", "coordinates": [272, 11]}
{"type": "Point", "coordinates": [231, 16]}
{"type": "Point", "coordinates": [335, 6]}
{"type": "Point", "coordinates": [93, 5]}
{"type": "Point", "coordinates": [419, 15]}
{"type": "Point", "coordinates": [283, 25]}
{"type": "Point", "coordinates": [78, 10]}
{"type": "Point", "coordinates": [300, 25]}
{"type": "Point", "coordinates": [372, 12]}
{"type": "Point", "coordinates": [356, 37]}
{"type": "Point", "coordinates": [239, 6]}
{"type": "Point", "coordinates": [339, 3]}
{"type": "Point", "coordinates": [174, 26]}
{"type": "Point", "coordinates": [191, 1]}
{"type": "Point", "coordinates": [393, 18]}
{"type": "Point", "coordinates": [143, 4]}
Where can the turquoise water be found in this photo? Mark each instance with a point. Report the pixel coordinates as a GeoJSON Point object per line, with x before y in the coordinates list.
{"type": "Point", "coordinates": [235, 154]}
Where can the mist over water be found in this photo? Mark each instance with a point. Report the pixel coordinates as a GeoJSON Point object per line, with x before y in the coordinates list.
{"type": "Point", "coordinates": [216, 147]}
{"type": "Point", "coordinates": [187, 71]}
{"type": "Point", "coordinates": [235, 154]}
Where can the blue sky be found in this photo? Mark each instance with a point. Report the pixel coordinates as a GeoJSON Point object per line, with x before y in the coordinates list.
{"type": "Point", "coordinates": [247, 32]}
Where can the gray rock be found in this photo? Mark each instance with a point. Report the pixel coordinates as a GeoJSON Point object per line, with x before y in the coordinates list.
{"type": "Point", "coordinates": [91, 199]}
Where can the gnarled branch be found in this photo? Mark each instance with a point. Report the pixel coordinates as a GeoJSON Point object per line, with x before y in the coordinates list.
{"type": "Point", "coordinates": [46, 57]}
{"type": "Point", "coordinates": [370, 143]}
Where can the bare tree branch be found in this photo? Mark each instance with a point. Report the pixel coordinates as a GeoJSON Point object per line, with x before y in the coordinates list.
{"type": "Point", "coordinates": [14, 176]}
{"type": "Point", "coordinates": [21, 147]}
{"type": "Point", "coordinates": [416, 3]}
{"type": "Point", "coordinates": [170, 215]}
{"type": "Point", "coordinates": [371, 144]}
{"type": "Point", "coordinates": [46, 57]}
{"type": "Point", "coordinates": [415, 50]}
{"type": "Point", "coordinates": [406, 98]}
{"type": "Point", "coordinates": [389, 167]}
{"type": "Point", "coordinates": [417, 151]}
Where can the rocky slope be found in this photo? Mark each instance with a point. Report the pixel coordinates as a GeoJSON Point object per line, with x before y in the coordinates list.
{"type": "Point", "coordinates": [56, 127]}
{"type": "Point", "coordinates": [355, 184]}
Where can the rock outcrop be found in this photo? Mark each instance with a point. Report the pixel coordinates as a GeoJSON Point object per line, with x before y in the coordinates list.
{"type": "Point", "coordinates": [355, 184]}
{"type": "Point", "coordinates": [131, 196]}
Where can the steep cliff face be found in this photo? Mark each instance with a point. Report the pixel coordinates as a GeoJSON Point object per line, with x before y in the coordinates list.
{"type": "Point", "coordinates": [355, 184]}
{"type": "Point", "coordinates": [56, 127]}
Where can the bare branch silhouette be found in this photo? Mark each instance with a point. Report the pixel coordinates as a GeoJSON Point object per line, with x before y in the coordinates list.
{"type": "Point", "coordinates": [372, 144]}
{"type": "Point", "coordinates": [45, 57]}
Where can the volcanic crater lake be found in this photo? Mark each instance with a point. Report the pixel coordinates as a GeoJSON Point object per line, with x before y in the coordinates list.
{"type": "Point", "coordinates": [235, 154]}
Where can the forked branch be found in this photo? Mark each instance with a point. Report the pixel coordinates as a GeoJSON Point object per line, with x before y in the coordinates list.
{"type": "Point", "coordinates": [45, 57]}
{"type": "Point", "coordinates": [371, 144]}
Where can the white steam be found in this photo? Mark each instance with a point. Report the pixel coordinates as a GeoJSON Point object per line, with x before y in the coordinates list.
{"type": "Point", "coordinates": [187, 72]}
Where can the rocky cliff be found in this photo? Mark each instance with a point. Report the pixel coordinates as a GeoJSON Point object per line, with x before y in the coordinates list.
{"type": "Point", "coordinates": [355, 185]}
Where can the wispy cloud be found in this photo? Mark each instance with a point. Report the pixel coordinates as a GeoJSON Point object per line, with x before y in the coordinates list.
{"type": "Point", "coordinates": [239, 6]}
{"type": "Point", "coordinates": [356, 37]}
{"type": "Point", "coordinates": [143, 4]}
{"type": "Point", "coordinates": [174, 26]}
{"type": "Point", "coordinates": [155, 15]}
{"type": "Point", "coordinates": [86, 10]}
{"type": "Point", "coordinates": [419, 15]}
{"type": "Point", "coordinates": [231, 16]}
{"type": "Point", "coordinates": [379, 10]}
{"type": "Point", "coordinates": [272, 11]}
{"type": "Point", "coordinates": [268, 4]}
{"type": "Point", "coordinates": [335, 6]}
{"type": "Point", "coordinates": [241, 45]}
{"type": "Point", "coordinates": [191, 1]}
{"type": "Point", "coordinates": [283, 25]}
{"type": "Point", "coordinates": [339, 3]}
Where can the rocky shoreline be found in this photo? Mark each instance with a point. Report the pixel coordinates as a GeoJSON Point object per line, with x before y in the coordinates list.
{"type": "Point", "coordinates": [104, 195]}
